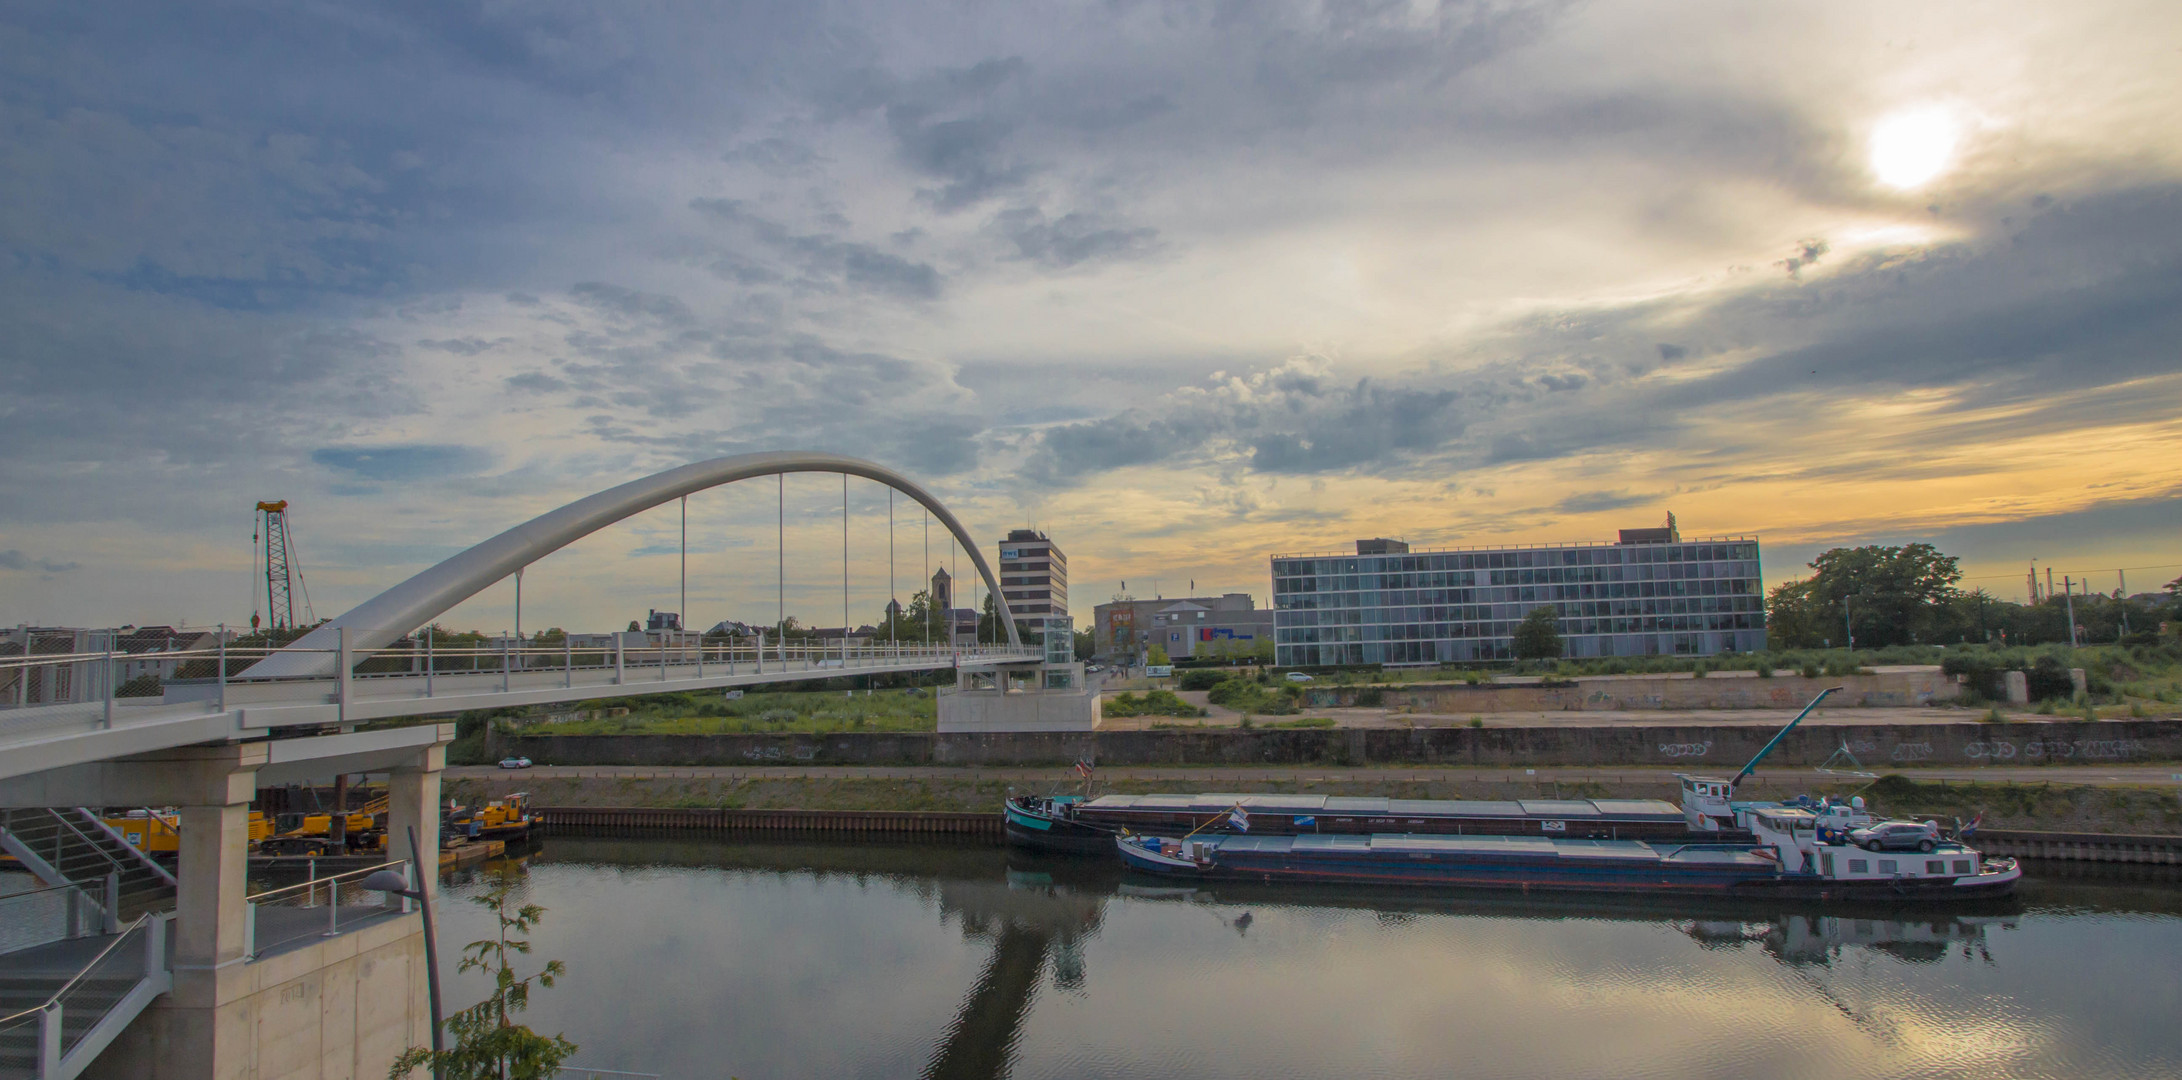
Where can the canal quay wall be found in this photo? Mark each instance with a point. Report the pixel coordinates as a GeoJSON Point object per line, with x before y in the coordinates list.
{"type": "Point", "coordinates": [1624, 693]}
{"type": "Point", "coordinates": [1876, 747]}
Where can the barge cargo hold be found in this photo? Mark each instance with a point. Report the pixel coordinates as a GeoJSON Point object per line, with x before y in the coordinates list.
{"type": "Point", "coordinates": [1529, 863]}
{"type": "Point", "coordinates": [1068, 824]}
{"type": "Point", "coordinates": [1796, 857]}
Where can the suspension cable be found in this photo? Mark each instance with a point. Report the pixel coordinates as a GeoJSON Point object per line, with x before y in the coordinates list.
{"type": "Point", "coordinates": [891, 600]}
{"type": "Point", "coordinates": [683, 614]}
{"type": "Point", "coordinates": [780, 565]}
{"type": "Point", "coordinates": [844, 564]}
{"type": "Point", "coordinates": [928, 576]}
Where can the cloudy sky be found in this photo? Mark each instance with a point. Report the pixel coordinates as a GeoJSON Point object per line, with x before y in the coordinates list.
{"type": "Point", "coordinates": [1183, 284]}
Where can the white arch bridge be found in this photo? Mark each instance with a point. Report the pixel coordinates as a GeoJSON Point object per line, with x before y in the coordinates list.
{"type": "Point", "coordinates": [362, 666]}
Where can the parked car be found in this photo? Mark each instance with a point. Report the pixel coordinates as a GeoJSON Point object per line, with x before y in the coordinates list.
{"type": "Point", "coordinates": [1297, 676]}
{"type": "Point", "coordinates": [1897, 836]}
{"type": "Point", "coordinates": [515, 763]}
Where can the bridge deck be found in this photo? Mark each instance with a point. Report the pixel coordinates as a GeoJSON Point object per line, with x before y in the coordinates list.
{"type": "Point", "coordinates": [45, 736]}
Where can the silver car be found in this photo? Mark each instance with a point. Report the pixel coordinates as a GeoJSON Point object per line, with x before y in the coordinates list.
{"type": "Point", "coordinates": [1897, 836]}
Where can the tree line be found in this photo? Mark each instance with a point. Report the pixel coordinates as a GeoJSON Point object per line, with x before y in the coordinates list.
{"type": "Point", "coordinates": [1878, 596]}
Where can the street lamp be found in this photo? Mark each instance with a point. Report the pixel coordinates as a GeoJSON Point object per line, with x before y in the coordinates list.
{"type": "Point", "coordinates": [387, 881]}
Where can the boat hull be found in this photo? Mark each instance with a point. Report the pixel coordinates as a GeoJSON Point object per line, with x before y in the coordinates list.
{"type": "Point", "coordinates": [1031, 826]}
{"type": "Point", "coordinates": [1550, 866]}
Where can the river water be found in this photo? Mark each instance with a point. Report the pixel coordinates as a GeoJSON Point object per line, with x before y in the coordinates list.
{"type": "Point", "coordinates": [702, 958]}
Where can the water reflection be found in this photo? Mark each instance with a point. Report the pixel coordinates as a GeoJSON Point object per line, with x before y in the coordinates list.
{"type": "Point", "coordinates": [699, 958]}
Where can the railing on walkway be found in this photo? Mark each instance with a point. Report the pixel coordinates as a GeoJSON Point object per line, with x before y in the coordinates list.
{"type": "Point", "coordinates": [321, 907]}
{"type": "Point", "coordinates": [56, 1039]}
{"type": "Point", "coordinates": [214, 679]}
{"type": "Point", "coordinates": [50, 913]}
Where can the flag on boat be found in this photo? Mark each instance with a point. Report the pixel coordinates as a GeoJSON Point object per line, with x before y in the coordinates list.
{"type": "Point", "coordinates": [1083, 768]}
{"type": "Point", "coordinates": [1239, 818]}
{"type": "Point", "coordinates": [1972, 826]}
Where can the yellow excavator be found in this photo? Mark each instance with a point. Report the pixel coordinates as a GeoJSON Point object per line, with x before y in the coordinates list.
{"type": "Point", "coordinates": [312, 834]}
{"type": "Point", "coordinates": [504, 818]}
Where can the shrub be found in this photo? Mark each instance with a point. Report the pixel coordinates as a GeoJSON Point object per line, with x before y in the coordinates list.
{"type": "Point", "coordinates": [1307, 722]}
{"type": "Point", "coordinates": [1810, 670]}
{"type": "Point", "coordinates": [1202, 679]}
{"type": "Point", "coordinates": [1153, 703]}
{"type": "Point", "coordinates": [1477, 721]}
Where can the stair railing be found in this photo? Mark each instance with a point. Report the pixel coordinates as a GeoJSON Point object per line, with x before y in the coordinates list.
{"type": "Point", "coordinates": [59, 1056]}
{"type": "Point", "coordinates": [141, 857]}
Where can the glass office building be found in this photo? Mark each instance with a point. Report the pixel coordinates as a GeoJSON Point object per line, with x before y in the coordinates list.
{"type": "Point", "coordinates": [1651, 593]}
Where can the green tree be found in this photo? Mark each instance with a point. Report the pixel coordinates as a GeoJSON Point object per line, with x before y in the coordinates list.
{"type": "Point", "coordinates": [1538, 637]}
{"type": "Point", "coordinates": [1087, 645]}
{"type": "Point", "coordinates": [1889, 595]}
{"type": "Point", "coordinates": [1791, 617]}
{"type": "Point", "coordinates": [1157, 654]}
{"type": "Point", "coordinates": [489, 1045]}
{"type": "Point", "coordinates": [988, 623]}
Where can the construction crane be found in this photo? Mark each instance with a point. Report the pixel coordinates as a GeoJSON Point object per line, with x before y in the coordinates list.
{"type": "Point", "coordinates": [274, 542]}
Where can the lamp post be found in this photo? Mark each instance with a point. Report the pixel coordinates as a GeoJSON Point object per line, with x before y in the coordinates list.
{"type": "Point", "coordinates": [390, 882]}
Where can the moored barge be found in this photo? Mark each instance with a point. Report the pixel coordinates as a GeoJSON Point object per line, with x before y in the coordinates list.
{"type": "Point", "coordinates": [1069, 824]}
{"type": "Point", "coordinates": [1788, 861]}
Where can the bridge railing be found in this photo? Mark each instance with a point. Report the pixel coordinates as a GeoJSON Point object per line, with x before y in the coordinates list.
{"type": "Point", "coordinates": [88, 688]}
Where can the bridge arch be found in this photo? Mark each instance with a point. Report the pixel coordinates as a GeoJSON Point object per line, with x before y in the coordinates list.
{"type": "Point", "coordinates": [385, 618]}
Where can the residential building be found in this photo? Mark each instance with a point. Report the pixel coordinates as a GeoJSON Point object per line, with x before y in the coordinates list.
{"type": "Point", "coordinates": [1033, 579]}
{"type": "Point", "coordinates": [1186, 627]}
{"type": "Point", "coordinates": [1649, 593]}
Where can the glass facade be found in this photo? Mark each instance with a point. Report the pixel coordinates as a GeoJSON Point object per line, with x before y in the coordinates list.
{"type": "Point", "coordinates": [1688, 598]}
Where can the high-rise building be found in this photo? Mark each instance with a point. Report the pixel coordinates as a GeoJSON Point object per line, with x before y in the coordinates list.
{"type": "Point", "coordinates": [1650, 593]}
{"type": "Point", "coordinates": [1033, 578]}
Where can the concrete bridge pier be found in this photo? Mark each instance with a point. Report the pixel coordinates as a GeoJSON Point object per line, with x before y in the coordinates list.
{"type": "Point", "coordinates": [247, 1001]}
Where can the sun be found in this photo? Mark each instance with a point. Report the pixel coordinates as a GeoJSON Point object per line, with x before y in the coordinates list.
{"type": "Point", "coordinates": [1910, 148]}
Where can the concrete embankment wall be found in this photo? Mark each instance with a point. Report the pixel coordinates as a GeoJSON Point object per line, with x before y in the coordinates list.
{"type": "Point", "coordinates": [1877, 746]}
{"type": "Point", "coordinates": [1894, 689]}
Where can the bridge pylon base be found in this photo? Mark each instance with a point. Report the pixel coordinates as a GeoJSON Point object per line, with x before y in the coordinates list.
{"type": "Point", "coordinates": [1030, 697]}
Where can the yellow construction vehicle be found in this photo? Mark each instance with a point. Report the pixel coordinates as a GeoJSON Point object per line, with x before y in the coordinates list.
{"type": "Point", "coordinates": [159, 832]}
{"type": "Point", "coordinates": [312, 834]}
{"type": "Point", "coordinates": [504, 818]}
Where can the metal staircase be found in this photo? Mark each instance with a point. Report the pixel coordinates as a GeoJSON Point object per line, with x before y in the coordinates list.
{"type": "Point", "coordinates": [74, 847]}
{"type": "Point", "coordinates": [62, 1004]}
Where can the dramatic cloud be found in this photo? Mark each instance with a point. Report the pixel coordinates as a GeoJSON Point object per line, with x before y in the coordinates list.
{"type": "Point", "coordinates": [1185, 285]}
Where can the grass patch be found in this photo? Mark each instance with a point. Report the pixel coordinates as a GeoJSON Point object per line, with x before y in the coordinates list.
{"type": "Point", "coordinates": [813, 712]}
{"type": "Point", "coordinates": [1305, 722]}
